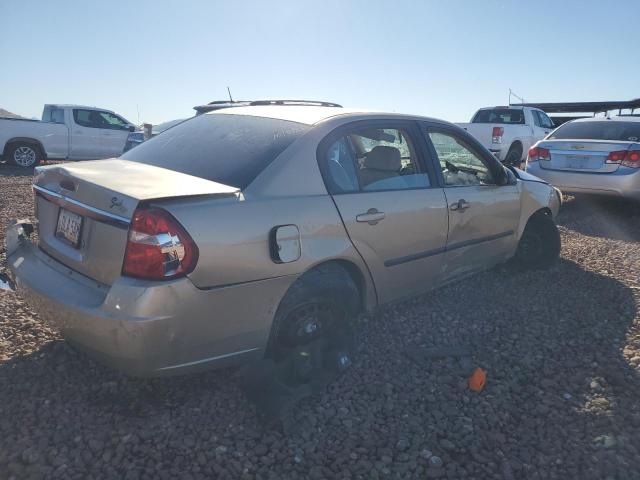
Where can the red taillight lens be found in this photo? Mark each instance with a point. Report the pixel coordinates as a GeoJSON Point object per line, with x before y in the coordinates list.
{"type": "Point", "coordinates": [158, 248]}
{"type": "Point", "coordinates": [616, 157]}
{"type": "Point", "coordinates": [538, 153]}
{"type": "Point", "coordinates": [632, 159]}
{"type": "Point", "coordinates": [496, 134]}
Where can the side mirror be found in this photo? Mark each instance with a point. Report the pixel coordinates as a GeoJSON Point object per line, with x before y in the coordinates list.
{"type": "Point", "coordinates": [508, 178]}
{"type": "Point", "coordinates": [131, 128]}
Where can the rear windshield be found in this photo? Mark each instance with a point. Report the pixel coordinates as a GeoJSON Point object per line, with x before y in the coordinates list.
{"type": "Point", "coordinates": [604, 130]}
{"type": "Point", "coordinates": [499, 115]}
{"type": "Point", "coordinates": [229, 149]}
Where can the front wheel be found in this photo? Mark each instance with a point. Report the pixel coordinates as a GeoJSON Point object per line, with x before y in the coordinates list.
{"type": "Point", "coordinates": [539, 246]}
{"type": "Point", "coordinates": [24, 155]}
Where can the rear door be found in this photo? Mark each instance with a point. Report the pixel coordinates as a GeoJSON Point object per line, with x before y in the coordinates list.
{"type": "Point", "coordinates": [483, 217]}
{"type": "Point", "coordinates": [542, 125]}
{"type": "Point", "coordinates": [394, 212]}
{"type": "Point", "coordinates": [86, 135]}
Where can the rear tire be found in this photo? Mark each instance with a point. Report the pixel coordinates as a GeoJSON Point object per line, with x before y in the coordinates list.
{"type": "Point", "coordinates": [539, 246]}
{"type": "Point", "coordinates": [514, 156]}
{"type": "Point", "coordinates": [312, 334]}
{"type": "Point", "coordinates": [24, 154]}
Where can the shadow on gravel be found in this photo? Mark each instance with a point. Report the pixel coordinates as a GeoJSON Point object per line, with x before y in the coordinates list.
{"type": "Point", "coordinates": [561, 400]}
{"type": "Point", "coordinates": [613, 218]}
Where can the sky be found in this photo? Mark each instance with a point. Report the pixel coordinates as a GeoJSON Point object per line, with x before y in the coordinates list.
{"type": "Point", "coordinates": [152, 61]}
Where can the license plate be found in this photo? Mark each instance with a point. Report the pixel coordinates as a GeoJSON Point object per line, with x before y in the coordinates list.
{"type": "Point", "coordinates": [578, 161]}
{"type": "Point", "coordinates": [69, 227]}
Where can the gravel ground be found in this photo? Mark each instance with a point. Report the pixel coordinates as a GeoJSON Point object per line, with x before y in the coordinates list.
{"type": "Point", "coordinates": [561, 348]}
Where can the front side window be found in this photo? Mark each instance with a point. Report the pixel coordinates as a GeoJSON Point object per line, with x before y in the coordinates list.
{"type": "Point", "coordinates": [373, 159]}
{"type": "Point", "coordinates": [460, 165]}
{"type": "Point", "coordinates": [109, 120]}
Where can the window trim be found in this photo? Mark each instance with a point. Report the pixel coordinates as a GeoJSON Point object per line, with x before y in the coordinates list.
{"type": "Point", "coordinates": [410, 127]}
{"type": "Point", "coordinates": [494, 165]}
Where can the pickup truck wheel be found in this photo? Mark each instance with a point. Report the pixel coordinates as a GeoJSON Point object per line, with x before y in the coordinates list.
{"type": "Point", "coordinates": [312, 337]}
{"type": "Point", "coordinates": [539, 246]}
{"type": "Point", "coordinates": [24, 155]}
{"type": "Point", "coordinates": [514, 156]}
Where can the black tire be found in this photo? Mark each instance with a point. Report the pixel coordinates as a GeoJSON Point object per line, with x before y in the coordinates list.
{"type": "Point", "coordinates": [24, 154]}
{"type": "Point", "coordinates": [514, 156]}
{"type": "Point", "coordinates": [539, 246]}
{"type": "Point", "coordinates": [312, 333]}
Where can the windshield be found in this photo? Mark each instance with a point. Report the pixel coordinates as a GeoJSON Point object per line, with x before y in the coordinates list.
{"type": "Point", "coordinates": [603, 130]}
{"type": "Point", "coordinates": [499, 115]}
{"type": "Point", "coordinates": [229, 149]}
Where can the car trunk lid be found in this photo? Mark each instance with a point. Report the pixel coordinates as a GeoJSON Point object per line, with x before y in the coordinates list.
{"type": "Point", "coordinates": [84, 209]}
{"type": "Point", "coordinates": [589, 156]}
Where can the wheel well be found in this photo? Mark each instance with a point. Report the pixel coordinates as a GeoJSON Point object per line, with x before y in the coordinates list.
{"type": "Point", "coordinates": [354, 272]}
{"type": "Point", "coordinates": [28, 141]}
{"type": "Point", "coordinates": [543, 211]}
{"type": "Point", "coordinates": [517, 144]}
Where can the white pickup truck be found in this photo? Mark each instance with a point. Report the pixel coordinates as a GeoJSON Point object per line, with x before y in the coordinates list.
{"type": "Point", "coordinates": [72, 132]}
{"type": "Point", "coordinates": [508, 132]}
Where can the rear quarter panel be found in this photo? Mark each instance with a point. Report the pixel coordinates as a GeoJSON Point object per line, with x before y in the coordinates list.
{"type": "Point", "coordinates": [233, 237]}
{"type": "Point", "coordinates": [54, 137]}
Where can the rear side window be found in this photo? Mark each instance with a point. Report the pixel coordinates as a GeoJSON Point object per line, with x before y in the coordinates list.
{"type": "Point", "coordinates": [499, 115]}
{"type": "Point", "coordinates": [604, 130]}
{"type": "Point", "coordinates": [229, 149]}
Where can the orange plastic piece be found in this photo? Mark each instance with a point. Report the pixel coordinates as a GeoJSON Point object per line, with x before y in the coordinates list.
{"type": "Point", "coordinates": [477, 380]}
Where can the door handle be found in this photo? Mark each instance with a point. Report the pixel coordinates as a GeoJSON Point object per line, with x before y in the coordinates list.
{"type": "Point", "coordinates": [372, 216]}
{"type": "Point", "coordinates": [460, 205]}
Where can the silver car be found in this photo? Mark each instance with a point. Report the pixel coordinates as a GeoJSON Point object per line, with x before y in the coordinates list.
{"type": "Point", "coordinates": [592, 155]}
{"type": "Point", "coordinates": [263, 230]}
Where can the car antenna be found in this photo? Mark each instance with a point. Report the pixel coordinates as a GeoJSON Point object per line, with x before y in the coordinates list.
{"type": "Point", "coordinates": [229, 91]}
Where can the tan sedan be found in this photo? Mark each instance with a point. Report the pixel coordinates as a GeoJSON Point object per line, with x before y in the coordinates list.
{"type": "Point", "coordinates": [262, 230]}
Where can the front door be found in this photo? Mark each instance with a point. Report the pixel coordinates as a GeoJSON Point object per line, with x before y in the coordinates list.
{"type": "Point", "coordinates": [394, 213]}
{"type": "Point", "coordinates": [114, 133]}
{"type": "Point", "coordinates": [483, 217]}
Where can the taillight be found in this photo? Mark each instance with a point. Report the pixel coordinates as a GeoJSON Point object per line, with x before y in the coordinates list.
{"type": "Point", "coordinates": [616, 157]}
{"type": "Point", "coordinates": [158, 248]}
{"type": "Point", "coordinates": [538, 153]}
{"type": "Point", "coordinates": [632, 159]}
{"type": "Point", "coordinates": [496, 134]}
{"type": "Point", "coordinates": [626, 158]}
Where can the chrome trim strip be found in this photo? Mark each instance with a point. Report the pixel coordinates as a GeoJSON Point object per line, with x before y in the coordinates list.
{"type": "Point", "coordinates": [415, 256]}
{"type": "Point", "coordinates": [211, 359]}
{"type": "Point", "coordinates": [83, 209]}
{"type": "Point", "coordinates": [437, 251]}
{"type": "Point", "coordinates": [475, 241]}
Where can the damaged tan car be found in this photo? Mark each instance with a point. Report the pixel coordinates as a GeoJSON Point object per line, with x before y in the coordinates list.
{"type": "Point", "coordinates": [263, 230]}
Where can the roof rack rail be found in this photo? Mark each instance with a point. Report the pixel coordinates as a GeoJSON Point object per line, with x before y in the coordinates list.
{"type": "Point", "coordinates": [295, 102]}
{"type": "Point", "coordinates": [220, 104]}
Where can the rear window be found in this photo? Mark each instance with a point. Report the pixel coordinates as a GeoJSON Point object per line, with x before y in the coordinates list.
{"type": "Point", "coordinates": [604, 130]}
{"type": "Point", "coordinates": [499, 115]}
{"type": "Point", "coordinates": [229, 149]}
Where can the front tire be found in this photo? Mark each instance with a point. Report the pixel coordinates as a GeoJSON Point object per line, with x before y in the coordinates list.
{"type": "Point", "coordinates": [312, 334]}
{"type": "Point", "coordinates": [539, 246]}
{"type": "Point", "coordinates": [24, 155]}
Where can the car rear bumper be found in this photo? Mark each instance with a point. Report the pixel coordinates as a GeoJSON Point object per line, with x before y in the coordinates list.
{"type": "Point", "coordinates": [624, 182]}
{"type": "Point", "coordinates": [146, 328]}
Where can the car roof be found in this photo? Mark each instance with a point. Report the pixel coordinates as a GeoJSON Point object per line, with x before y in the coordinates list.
{"type": "Point", "coordinates": [311, 115]}
{"type": "Point", "coordinates": [611, 119]}
{"type": "Point", "coordinates": [71, 105]}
